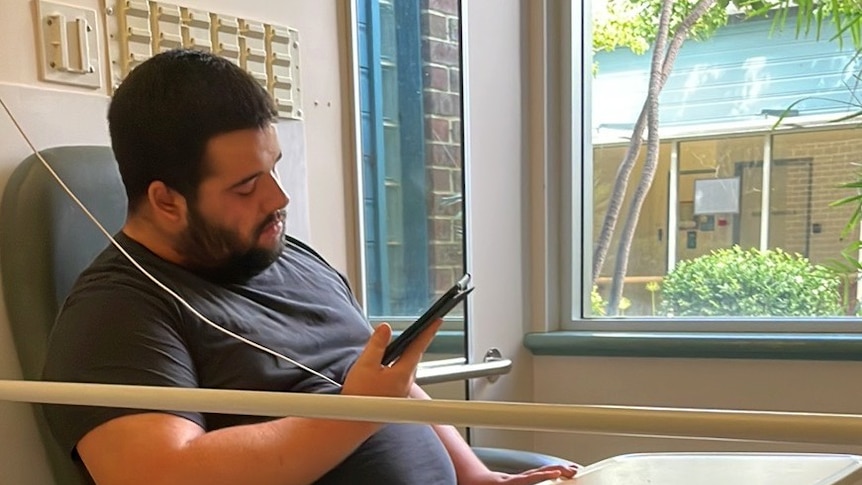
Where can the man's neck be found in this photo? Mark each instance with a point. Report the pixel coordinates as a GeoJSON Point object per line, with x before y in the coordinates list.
{"type": "Point", "coordinates": [152, 237]}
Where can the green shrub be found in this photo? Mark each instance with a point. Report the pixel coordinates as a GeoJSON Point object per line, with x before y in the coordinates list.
{"type": "Point", "coordinates": [597, 303]}
{"type": "Point", "coordinates": [599, 307]}
{"type": "Point", "coordinates": [737, 282]}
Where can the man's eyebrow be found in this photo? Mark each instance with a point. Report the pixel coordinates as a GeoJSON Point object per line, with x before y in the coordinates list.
{"type": "Point", "coordinates": [253, 176]}
{"type": "Point", "coordinates": [245, 180]}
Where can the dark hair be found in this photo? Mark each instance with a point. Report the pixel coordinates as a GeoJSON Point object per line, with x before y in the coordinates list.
{"type": "Point", "coordinates": [168, 108]}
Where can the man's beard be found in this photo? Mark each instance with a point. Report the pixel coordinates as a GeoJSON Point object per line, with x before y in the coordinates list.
{"type": "Point", "coordinates": [220, 255]}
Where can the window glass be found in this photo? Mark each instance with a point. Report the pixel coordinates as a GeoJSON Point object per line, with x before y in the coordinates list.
{"type": "Point", "coordinates": [650, 241]}
{"type": "Point", "coordinates": [814, 165]}
{"type": "Point", "coordinates": [739, 161]}
{"type": "Point", "coordinates": [410, 102]}
{"type": "Point", "coordinates": [738, 219]}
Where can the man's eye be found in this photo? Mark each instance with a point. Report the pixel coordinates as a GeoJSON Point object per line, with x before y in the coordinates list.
{"type": "Point", "coordinates": [246, 188]}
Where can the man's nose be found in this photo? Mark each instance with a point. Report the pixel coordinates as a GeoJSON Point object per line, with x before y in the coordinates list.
{"type": "Point", "coordinates": [279, 196]}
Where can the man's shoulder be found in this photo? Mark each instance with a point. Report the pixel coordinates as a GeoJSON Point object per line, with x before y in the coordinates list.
{"type": "Point", "coordinates": [113, 275]}
{"type": "Point", "coordinates": [114, 299]}
{"type": "Point", "coordinates": [297, 246]}
{"type": "Point", "coordinates": [109, 266]}
{"type": "Point", "coordinates": [292, 243]}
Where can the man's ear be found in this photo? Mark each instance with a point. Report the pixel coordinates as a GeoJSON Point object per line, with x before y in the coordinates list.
{"type": "Point", "coordinates": [166, 203]}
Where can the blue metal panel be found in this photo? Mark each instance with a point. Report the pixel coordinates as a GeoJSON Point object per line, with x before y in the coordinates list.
{"type": "Point", "coordinates": [397, 284]}
{"type": "Point", "coordinates": [733, 76]}
{"type": "Point", "coordinates": [414, 183]}
{"type": "Point", "coordinates": [376, 284]}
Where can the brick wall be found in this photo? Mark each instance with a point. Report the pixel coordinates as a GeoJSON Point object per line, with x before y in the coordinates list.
{"type": "Point", "coordinates": [442, 99]}
{"type": "Point", "coordinates": [806, 191]}
{"type": "Point", "coordinates": [834, 162]}
{"type": "Point", "coordinates": [807, 175]}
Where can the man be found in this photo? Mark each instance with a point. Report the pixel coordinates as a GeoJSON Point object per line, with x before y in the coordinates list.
{"type": "Point", "coordinates": [197, 151]}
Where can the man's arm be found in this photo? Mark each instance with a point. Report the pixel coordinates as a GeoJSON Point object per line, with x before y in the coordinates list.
{"type": "Point", "coordinates": [157, 448]}
{"type": "Point", "coordinates": [471, 471]}
{"type": "Point", "coordinates": [163, 449]}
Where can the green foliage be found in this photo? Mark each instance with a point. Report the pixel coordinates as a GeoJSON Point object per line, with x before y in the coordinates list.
{"type": "Point", "coordinates": [737, 282]}
{"type": "Point", "coordinates": [846, 15]}
{"type": "Point", "coordinates": [622, 25]}
{"type": "Point", "coordinates": [633, 24]}
{"type": "Point", "coordinates": [597, 303]}
{"type": "Point", "coordinates": [598, 306]}
{"type": "Point", "coordinates": [856, 201]}
{"type": "Point", "coordinates": [653, 287]}
{"type": "Point", "coordinates": [849, 267]}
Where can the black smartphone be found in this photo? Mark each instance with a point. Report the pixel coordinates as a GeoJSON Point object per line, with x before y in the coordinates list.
{"type": "Point", "coordinates": [439, 309]}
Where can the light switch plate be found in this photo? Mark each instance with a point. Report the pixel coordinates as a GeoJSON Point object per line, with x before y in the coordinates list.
{"type": "Point", "coordinates": [68, 43]}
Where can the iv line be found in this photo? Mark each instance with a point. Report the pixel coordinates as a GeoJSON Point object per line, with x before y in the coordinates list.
{"type": "Point", "coordinates": [146, 273]}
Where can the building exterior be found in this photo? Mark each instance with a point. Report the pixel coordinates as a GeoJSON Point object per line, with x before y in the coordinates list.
{"type": "Point", "coordinates": [727, 175]}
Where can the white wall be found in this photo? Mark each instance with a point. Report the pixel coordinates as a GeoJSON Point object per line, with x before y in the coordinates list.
{"type": "Point", "coordinates": [701, 383]}
{"type": "Point", "coordinates": [498, 201]}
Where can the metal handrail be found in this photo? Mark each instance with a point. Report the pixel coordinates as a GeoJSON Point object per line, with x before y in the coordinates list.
{"type": "Point", "coordinates": [442, 362]}
{"type": "Point", "coordinates": [790, 427]}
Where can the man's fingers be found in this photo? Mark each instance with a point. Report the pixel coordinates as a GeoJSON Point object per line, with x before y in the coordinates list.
{"type": "Point", "coordinates": [377, 343]}
{"type": "Point", "coordinates": [414, 351]}
{"type": "Point", "coordinates": [541, 475]}
{"type": "Point", "coordinates": [548, 473]}
{"type": "Point", "coordinates": [381, 336]}
{"type": "Point", "coordinates": [565, 470]}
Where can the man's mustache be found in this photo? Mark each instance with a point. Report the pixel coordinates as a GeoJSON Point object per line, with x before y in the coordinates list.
{"type": "Point", "coordinates": [277, 216]}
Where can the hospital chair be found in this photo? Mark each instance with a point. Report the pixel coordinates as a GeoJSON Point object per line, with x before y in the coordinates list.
{"type": "Point", "coordinates": [46, 241]}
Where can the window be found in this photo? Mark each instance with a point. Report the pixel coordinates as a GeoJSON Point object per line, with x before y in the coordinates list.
{"type": "Point", "coordinates": [725, 178]}
{"type": "Point", "coordinates": [409, 80]}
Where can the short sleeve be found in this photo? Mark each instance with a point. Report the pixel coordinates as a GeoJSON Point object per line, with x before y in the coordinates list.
{"type": "Point", "coordinates": [114, 334]}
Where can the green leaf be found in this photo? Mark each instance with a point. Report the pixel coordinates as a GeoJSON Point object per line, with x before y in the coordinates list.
{"type": "Point", "coordinates": [737, 282]}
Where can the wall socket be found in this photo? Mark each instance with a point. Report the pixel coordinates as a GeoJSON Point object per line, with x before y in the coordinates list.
{"type": "Point", "coordinates": [68, 43]}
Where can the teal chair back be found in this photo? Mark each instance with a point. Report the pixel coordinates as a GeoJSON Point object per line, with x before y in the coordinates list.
{"type": "Point", "coordinates": [45, 242]}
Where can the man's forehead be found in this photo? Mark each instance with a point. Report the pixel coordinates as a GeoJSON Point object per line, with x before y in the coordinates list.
{"type": "Point", "coordinates": [230, 151]}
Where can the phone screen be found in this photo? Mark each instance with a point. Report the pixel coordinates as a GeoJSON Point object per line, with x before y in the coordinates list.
{"type": "Point", "coordinates": [454, 295]}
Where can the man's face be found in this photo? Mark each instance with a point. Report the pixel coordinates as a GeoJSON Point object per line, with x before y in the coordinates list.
{"type": "Point", "coordinates": [236, 225]}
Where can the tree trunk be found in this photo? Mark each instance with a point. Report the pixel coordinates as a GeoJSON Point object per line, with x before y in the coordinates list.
{"type": "Point", "coordinates": [662, 63]}
{"type": "Point", "coordinates": [618, 194]}
{"type": "Point", "coordinates": [621, 182]}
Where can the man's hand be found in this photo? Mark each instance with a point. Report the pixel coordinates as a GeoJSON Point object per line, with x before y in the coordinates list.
{"type": "Point", "coordinates": [529, 477]}
{"type": "Point", "coordinates": [368, 377]}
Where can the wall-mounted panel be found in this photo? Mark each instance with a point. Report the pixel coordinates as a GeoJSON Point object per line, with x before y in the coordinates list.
{"type": "Point", "coordinates": [282, 67]}
{"type": "Point", "coordinates": [225, 36]}
{"type": "Point", "coordinates": [252, 49]}
{"type": "Point", "coordinates": [138, 29]}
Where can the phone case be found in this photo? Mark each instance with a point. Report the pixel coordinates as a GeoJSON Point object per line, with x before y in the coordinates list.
{"type": "Point", "coordinates": [454, 295]}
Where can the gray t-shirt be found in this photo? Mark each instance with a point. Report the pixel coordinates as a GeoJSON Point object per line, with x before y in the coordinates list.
{"type": "Point", "coordinates": [117, 327]}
